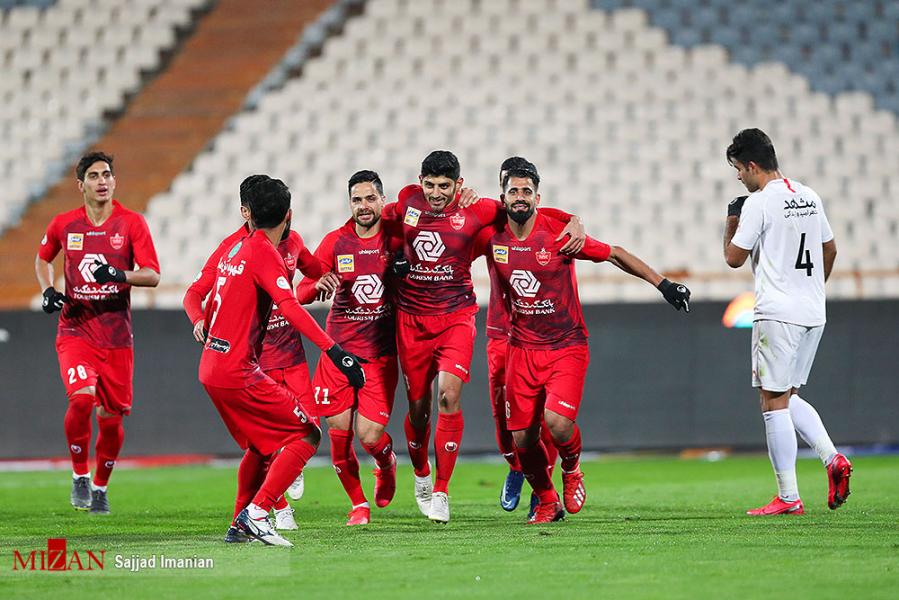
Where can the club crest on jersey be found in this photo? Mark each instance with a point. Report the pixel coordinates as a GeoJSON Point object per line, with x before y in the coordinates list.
{"type": "Point", "coordinates": [543, 257]}
{"type": "Point", "coordinates": [346, 263]}
{"type": "Point", "coordinates": [75, 241]}
{"type": "Point", "coordinates": [412, 216]}
{"type": "Point", "coordinates": [501, 254]}
{"type": "Point", "coordinates": [117, 240]}
{"type": "Point", "coordinates": [457, 221]}
{"type": "Point", "coordinates": [235, 249]}
{"type": "Point", "coordinates": [290, 261]}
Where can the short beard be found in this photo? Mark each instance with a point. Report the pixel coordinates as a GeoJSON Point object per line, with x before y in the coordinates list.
{"type": "Point", "coordinates": [370, 225]}
{"type": "Point", "coordinates": [520, 217]}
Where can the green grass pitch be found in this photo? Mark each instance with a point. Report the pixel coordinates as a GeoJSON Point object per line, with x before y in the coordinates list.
{"type": "Point", "coordinates": [652, 528]}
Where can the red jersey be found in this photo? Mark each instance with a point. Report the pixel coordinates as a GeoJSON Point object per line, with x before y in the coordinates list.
{"type": "Point", "coordinates": [541, 285]}
{"type": "Point", "coordinates": [99, 313]}
{"type": "Point", "coordinates": [362, 316]}
{"type": "Point", "coordinates": [283, 345]}
{"type": "Point", "coordinates": [250, 276]}
{"type": "Point", "coordinates": [440, 250]}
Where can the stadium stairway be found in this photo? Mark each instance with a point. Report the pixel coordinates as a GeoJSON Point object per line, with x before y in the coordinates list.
{"type": "Point", "coordinates": [170, 120]}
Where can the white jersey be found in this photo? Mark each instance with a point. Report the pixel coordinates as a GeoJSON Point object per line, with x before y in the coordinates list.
{"type": "Point", "coordinates": [784, 227]}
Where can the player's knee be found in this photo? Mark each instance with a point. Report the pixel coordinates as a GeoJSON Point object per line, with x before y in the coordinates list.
{"type": "Point", "coordinates": [560, 428]}
{"type": "Point", "coordinates": [449, 403]}
{"type": "Point", "coordinates": [314, 437]}
{"type": "Point", "coordinates": [105, 414]}
{"type": "Point", "coordinates": [90, 390]}
{"type": "Point", "coordinates": [525, 438]}
{"type": "Point", "coordinates": [369, 434]}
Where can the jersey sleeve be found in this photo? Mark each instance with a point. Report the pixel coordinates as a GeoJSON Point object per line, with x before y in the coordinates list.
{"type": "Point", "coordinates": [142, 244]}
{"type": "Point", "coordinates": [307, 263]}
{"type": "Point", "coordinates": [324, 256]}
{"type": "Point", "coordinates": [201, 286]}
{"type": "Point", "coordinates": [482, 242]}
{"type": "Point", "coordinates": [594, 250]}
{"type": "Point", "coordinates": [826, 231]}
{"type": "Point", "coordinates": [393, 211]}
{"type": "Point", "coordinates": [50, 243]}
{"type": "Point", "coordinates": [490, 212]}
{"type": "Point", "coordinates": [270, 274]}
{"type": "Point", "coordinates": [555, 214]}
{"type": "Point", "coordinates": [751, 222]}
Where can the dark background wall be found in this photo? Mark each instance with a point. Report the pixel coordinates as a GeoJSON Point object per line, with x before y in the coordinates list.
{"type": "Point", "coordinates": [658, 380]}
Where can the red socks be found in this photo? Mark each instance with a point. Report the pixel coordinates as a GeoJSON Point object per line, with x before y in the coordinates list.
{"type": "Point", "coordinates": [503, 436]}
{"type": "Point", "coordinates": [418, 447]}
{"type": "Point", "coordinates": [570, 451]}
{"type": "Point", "coordinates": [552, 453]}
{"type": "Point", "coordinates": [447, 439]}
{"type": "Point", "coordinates": [78, 430]}
{"type": "Point", "coordinates": [250, 475]}
{"type": "Point", "coordinates": [280, 503]}
{"type": "Point", "coordinates": [343, 457]}
{"type": "Point", "coordinates": [109, 443]}
{"type": "Point", "coordinates": [536, 470]}
{"type": "Point", "coordinates": [381, 450]}
{"type": "Point", "coordinates": [285, 468]}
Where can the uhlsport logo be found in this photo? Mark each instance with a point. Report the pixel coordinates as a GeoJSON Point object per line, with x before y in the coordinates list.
{"type": "Point", "coordinates": [524, 283]}
{"type": "Point", "coordinates": [86, 266]}
{"type": "Point", "coordinates": [428, 246]}
{"type": "Point", "coordinates": [368, 289]}
{"type": "Point", "coordinates": [57, 558]}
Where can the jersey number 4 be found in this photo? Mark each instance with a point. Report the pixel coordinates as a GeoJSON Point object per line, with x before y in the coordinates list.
{"type": "Point", "coordinates": [804, 258]}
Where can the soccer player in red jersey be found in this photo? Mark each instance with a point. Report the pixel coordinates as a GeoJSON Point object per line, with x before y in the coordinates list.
{"type": "Point", "coordinates": [107, 249]}
{"type": "Point", "coordinates": [258, 412]}
{"type": "Point", "coordinates": [436, 310]}
{"type": "Point", "coordinates": [360, 254]}
{"type": "Point", "coordinates": [497, 346]}
{"type": "Point", "coordinates": [548, 341]}
{"type": "Point", "coordinates": [283, 357]}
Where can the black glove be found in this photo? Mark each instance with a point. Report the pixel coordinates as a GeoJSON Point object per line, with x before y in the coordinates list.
{"type": "Point", "coordinates": [676, 294]}
{"type": "Point", "coordinates": [401, 266]}
{"type": "Point", "coordinates": [736, 206]}
{"type": "Point", "coordinates": [53, 300]}
{"type": "Point", "coordinates": [108, 274]}
{"type": "Point", "coordinates": [349, 364]}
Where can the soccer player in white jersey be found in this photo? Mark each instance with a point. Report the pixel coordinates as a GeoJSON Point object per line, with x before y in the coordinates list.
{"type": "Point", "coordinates": [782, 226]}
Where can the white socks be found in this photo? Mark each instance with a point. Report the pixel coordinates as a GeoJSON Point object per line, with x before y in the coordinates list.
{"type": "Point", "coordinates": [255, 512]}
{"type": "Point", "coordinates": [809, 425]}
{"type": "Point", "coordinates": [101, 488]}
{"type": "Point", "coordinates": [782, 449]}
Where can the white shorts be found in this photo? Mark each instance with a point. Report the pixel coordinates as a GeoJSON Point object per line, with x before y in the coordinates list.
{"type": "Point", "coordinates": [782, 354]}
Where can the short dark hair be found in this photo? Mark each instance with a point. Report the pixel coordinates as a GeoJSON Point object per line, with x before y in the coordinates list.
{"type": "Point", "coordinates": [525, 173]}
{"type": "Point", "coordinates": [268, 201]}
{"type": "Point", "coordinates": [90, 158]}
{"type": "Point", "coordinates": [365, 176]}
{"type": "Point", "coordinates": [247, 184]}
{"type": "Point", "coordinates": [517, 162]}
{"type": "Point", "coordinates": [441, 163]}
{"type": "Point", "coordinates": [753, 145]}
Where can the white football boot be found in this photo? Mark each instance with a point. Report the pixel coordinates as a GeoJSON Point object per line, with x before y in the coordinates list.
{"type": "Point", "coordinates": [423, 489]}
{"type": "Point", "coordinates": [439, 512]}
{"type": "Point", "coordinates": [284, 519]}
{"type": "Point", "coordinates": [296, 489]}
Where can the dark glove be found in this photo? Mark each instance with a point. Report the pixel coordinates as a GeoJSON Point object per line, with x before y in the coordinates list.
{"type": "Point", "coordinates": [108, 274]}
{"type": "Point", "coordinates": [736, 206]}
{"type": "Point", "coordinates": [676, 294]}
{"type": "Point", "coordinates": [401, 266]}
{"type": "Point", "coordinates": [349, 364]}
{"type": "Point", "coordinates": [53, 300]}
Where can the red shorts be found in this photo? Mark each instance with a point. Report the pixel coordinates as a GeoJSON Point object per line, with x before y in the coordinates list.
{"type": "Point", "coordinates": [430, 343]}
{"type": "Point", "coordinates": [333, 394]}
{"type": "Point", "coordinates": [544, 379]}
{"type": "Point", "coordinates": [496, 372]}
{"type": "Point", "coordinates": [111, 370]}
{"type": "Point", "coordinates": [264, 416]}
{"type": "Point", "coordinates": [296, 378]}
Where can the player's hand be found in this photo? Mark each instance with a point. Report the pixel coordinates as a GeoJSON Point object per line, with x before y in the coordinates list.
{"type": "Point", "coordinates": [349, 364]}
{"type": "Point", "coordinates": [327, 286]}
{"type": "Point", "coordinates": [736, 206]}
{"type": "Point", "coordinates": [577, 237]}
{"type": "Point", "coordinates": [677, 294]}
{"type": "Point", "coordinates": [53, 300]}
{"type": "Point", "coordinates": [400, 265]}
{"type": "Point", "coordinates": [107, 273]}
{"type": "Point", "coordinates": [467, 197]}
{"type": "Point", "coordinates": [200, 331]}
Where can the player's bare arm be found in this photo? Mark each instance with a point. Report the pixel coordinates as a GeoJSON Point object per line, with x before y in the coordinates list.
{"type": "Point", "coordinates": [830, 255]}
{"type": "Point", "coordinates": [676, 294]}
